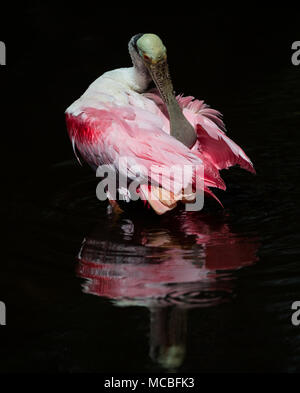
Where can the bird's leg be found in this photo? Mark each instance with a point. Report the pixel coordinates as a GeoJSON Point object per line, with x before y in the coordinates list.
{"type": "Point", "coordinates": [115, 207]}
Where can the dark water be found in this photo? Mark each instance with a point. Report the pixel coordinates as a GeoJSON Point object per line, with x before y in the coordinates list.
{"type": "Point", "coordinates": [86, 290]}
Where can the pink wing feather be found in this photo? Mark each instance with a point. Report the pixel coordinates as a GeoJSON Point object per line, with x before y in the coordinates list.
{"type": "Point", "coordinates": [213, 143]}
{"type": "Point", "coordinates": [102, 136]}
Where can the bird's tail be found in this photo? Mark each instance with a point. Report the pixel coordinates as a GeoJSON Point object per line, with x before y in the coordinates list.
{"type": "Point", "coordinates": [162, 200]}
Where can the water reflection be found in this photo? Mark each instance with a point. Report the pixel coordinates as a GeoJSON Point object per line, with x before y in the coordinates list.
{"type": "Point", "coordinates": [182, 261]}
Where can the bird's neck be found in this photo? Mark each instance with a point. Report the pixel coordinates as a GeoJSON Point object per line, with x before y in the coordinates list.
{"type": "Point", "coordinates": [141, 75]}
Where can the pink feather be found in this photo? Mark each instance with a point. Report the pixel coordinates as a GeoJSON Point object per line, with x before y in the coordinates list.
{"type": "Point", "coordinates": [140, 131]}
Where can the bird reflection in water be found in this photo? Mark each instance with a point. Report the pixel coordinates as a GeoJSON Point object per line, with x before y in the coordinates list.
{"type": "Point", "coordinates": [183, 261]}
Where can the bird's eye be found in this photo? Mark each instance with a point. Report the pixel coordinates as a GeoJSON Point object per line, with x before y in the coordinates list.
{"type": "Point", "coordinates": [147, 58]}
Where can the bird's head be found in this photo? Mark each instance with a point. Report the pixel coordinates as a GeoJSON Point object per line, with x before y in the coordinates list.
{"type": "Point", "coordinates": [147, 50]}
{"type": "Point", "coordinates": [151, 49]}
{"type": "Point", "coordinates": [149, 56]}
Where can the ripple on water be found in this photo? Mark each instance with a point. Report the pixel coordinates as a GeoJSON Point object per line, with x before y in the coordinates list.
{"type": "Point", "coordinates": [185, 258]}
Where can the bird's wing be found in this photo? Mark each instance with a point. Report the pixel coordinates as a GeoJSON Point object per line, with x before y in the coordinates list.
{"type": "Point", "coordinates": [135, 133]}
{"type": "Point", "coordinates": [213, 142]}
{"type": "Point", "coordinates": [131, 140]}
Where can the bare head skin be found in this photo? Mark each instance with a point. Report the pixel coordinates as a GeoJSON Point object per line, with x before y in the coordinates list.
{"type": "Point", "coordinates": [153, 53]}
{"type": "Point", "coordinates": [151, 48]}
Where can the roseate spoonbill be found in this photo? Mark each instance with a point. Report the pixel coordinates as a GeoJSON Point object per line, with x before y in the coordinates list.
{"type": "Point", "coordinates": [119, 117]}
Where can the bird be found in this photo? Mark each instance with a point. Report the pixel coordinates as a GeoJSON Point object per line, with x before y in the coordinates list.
{"type": "Point", "coordinates": [121, 115]}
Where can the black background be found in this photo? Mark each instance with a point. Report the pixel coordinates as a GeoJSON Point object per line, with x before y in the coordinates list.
{"type": "Point", "coordinates": [55, 51]}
